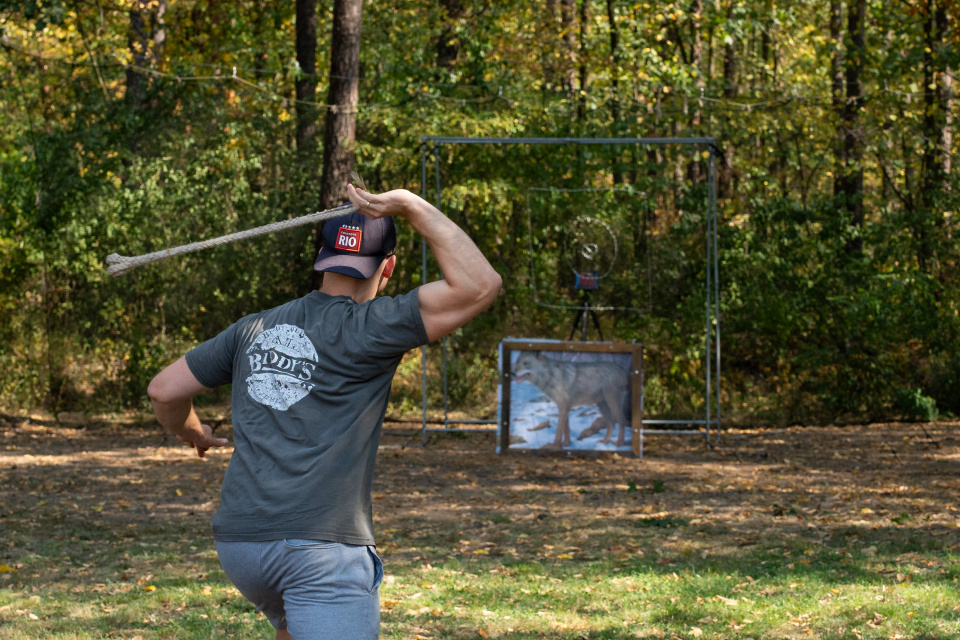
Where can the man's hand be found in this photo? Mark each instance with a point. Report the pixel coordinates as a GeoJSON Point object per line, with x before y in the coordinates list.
{"type": "Point", "coordinates": [469, 283]}
{"type": "Point", "coordinates": [202, 441]}
{"type": "Point", "coordinates": [392, 203]}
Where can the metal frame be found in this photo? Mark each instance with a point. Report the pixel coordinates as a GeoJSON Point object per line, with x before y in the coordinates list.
{"type": "Point", "coordinates": [712, 358]}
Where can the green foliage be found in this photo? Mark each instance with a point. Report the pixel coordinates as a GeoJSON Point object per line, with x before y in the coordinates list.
{"type": "Point", "coordinates": [916, 406]}
{"type": "Point", "coordinates": [813, 329]}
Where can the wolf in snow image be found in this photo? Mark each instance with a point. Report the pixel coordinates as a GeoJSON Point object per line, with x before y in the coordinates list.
{"type": "Point", "coordinates": [601, 384]}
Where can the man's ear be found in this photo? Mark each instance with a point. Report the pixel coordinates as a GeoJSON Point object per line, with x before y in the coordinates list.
{"type": "Point", "coordinates": [391, 264]}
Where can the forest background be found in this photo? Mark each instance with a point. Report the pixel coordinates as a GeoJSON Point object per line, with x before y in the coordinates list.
{"type": "Point", "coordinates": [131, 127]}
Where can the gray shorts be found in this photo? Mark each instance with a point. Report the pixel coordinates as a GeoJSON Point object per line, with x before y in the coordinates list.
{"type": "Point", "coordinates": [316, 590]}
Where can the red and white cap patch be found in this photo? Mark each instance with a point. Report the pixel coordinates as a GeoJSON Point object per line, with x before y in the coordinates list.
{"type": "Point", "coordinates": [348, 239]}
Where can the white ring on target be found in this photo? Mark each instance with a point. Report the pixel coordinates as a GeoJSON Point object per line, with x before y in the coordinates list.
{"type": "Point", "coordinates": [594, 249]}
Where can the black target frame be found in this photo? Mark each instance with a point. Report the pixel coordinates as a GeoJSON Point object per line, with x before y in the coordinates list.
{"type": "Point", "coordinates": [712, 351]}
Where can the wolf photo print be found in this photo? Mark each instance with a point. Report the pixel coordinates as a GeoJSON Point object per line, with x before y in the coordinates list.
{"type": "Point", "coordinates": [570, 400]}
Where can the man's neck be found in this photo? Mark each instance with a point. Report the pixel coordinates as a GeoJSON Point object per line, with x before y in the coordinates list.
{"type": "Point", "coordinates": [336, 284]}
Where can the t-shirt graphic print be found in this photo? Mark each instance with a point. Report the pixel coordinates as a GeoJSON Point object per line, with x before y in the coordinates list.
{"type": "Point", "coordinates": [282, 361]}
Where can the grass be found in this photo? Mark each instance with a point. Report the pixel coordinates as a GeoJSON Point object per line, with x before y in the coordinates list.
{"type": "Point", "coordinates": [815, 533]}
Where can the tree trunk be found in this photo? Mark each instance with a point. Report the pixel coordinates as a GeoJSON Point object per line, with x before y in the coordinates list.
{"type": "Point", "coordinates": [696, 58]}
{"type": "Point", "coordinates": [614, 86]}
{"type": "Point", "coordinates": [849, 182]}
{"type": "Point", "coordinates": [730, 88]}
{"type": "Point", "coordinates": [158, 27]}
{"type": "Point", "coordinates": [710, 66]}
{"type": "Point", "coordinates": [582, 55]}
{"type": "Point", "coordinates": [836, 89]}
{"type": "Point", "coordinates": [614, 64]}
{"type": "Point", "coordinates": [145, 40]}
{"type": "Point", "coordinates": [306, 84]}
{"type": "Point", "coordinates": [339, 139]}
{"type": "Point", "coordinates": [725, 174]}
{"type": "Point", "coordinates": [567, 13]}
{"type": "Point", "coordinates": [946, 96]}
{"type": "Point", "coordinates": [935, 124]}
{"type": "Point", "coordinates": [262, 17]}
{"type": "Point", "coordinates": [934, 116]}
{"type": "Point", "coordinates": [448, 43]}
{"type": "Point", "coordinates": [764, 54]}
{"type": "Point", "coordinates": [548, 60]}
{"type": "Point", "coordinates": [138, 43]}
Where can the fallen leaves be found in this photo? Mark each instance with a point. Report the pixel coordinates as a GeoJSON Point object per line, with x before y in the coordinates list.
{"type": "Point", "coordinates": [557, 517]}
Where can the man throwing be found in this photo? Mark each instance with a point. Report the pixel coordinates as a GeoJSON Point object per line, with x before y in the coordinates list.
{"type": "Point", "coordinates": [311, 380]}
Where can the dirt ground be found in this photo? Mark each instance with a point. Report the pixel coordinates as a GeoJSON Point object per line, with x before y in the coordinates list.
{"type": "Point", "coordinates": [117, 480]}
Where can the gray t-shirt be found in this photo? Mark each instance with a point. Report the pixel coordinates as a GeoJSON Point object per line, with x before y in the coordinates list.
{"type": "Point", "coordinates": [311, 380]}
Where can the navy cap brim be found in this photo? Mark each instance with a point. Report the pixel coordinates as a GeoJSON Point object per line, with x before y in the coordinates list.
{"type": "Point", "coordinates": [360, 267]}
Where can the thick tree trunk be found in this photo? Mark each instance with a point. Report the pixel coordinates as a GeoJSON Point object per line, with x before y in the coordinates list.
{"type": "Point", "coordinates": [934, 113]}
{"type": "Point", "coordinates": [306, 84]}
{"type": "Point", "coordinates": [935, 123]}
{"type": "Point", "coordinates": [836, 88]}
{"type": "Point", "coordinates": [448, 43]}
{"type": "Point", "coordinates": [614, 64]}
{"type": "Point", "coordinates": [696, 61]}
{"type": "Point", "coordinates": [158, 26]}
{"type": "Point", "coordinates": [730, 88]}
{"type": "Point", "coordinates": [946, 96]}
{"type": "Point", "coordinates": [145, 40]}
{"type": "Point", "coordinates": [138, 44]}
{"type": "Point", "coordinates": [725, 175]}
{"type": "Point", "coordinates": [548, 54]}
{"type": "Point", "coordinates": [339, 139]}
{"type": "Point", "coordinates": [582, 59]}
{"type": "Point", "coordinates": [710, 58]}
{"type": "Point", "coordinates": [614, 85]}
{"type": "Point", "coordinates": [567, 19]}
{"type": "Point", "coordinates": [849, 182]}
{"type": "Point", "coordinates": [764, 54]}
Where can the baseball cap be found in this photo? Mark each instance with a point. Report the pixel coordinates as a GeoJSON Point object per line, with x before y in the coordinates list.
{"type": "Point", "coordinates": [354, 245]}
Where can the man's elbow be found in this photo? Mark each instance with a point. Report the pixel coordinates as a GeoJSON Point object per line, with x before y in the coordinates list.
{"type": "Point", "coordinates": [161, 391]}
{"type": "Point", "coordinates": [491, 287]}
{"type": "Point", "coordinates": [156, 391]}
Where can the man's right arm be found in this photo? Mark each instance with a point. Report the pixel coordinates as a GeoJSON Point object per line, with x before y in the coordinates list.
{"type": "Point", "coordinates": [171, 393]}
{"type": "Point", "coordinates": [469, 282]}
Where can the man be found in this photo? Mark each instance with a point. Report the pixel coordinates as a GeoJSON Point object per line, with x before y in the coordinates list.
{"type": "Point", "coordinates": [311, 380]}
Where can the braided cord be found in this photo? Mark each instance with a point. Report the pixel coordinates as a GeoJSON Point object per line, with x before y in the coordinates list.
{"type": "Point", "coordinates": [119, 265]}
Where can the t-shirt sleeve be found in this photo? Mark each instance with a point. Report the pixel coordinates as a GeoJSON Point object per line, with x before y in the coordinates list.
{"type": "Point", "coordinates": [394, 325]}
{"type": "Point", "coordinates": [211, 363]}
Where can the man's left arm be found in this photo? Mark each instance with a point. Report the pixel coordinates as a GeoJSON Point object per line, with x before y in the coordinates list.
{"type": "Point", "coordinates": [171, 393]}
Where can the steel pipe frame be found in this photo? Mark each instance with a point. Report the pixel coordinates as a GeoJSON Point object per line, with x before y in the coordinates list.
{"type": "Point", "coordinates": [712, 323]}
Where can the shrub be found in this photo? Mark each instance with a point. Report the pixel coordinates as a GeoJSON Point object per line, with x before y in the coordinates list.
{"type": "Point", "coordinates": [913, 405]}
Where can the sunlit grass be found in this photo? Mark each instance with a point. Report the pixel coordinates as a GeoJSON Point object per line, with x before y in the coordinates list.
{"type": "Point", "coordinates": [152, 588]}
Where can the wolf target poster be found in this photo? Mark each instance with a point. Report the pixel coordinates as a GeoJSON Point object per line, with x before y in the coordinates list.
{"type": "Point", "coordinates": [573, 397]}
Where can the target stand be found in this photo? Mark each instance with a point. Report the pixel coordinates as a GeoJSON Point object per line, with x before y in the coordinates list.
{"type": "Point", "coordinates": [587, 280]}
